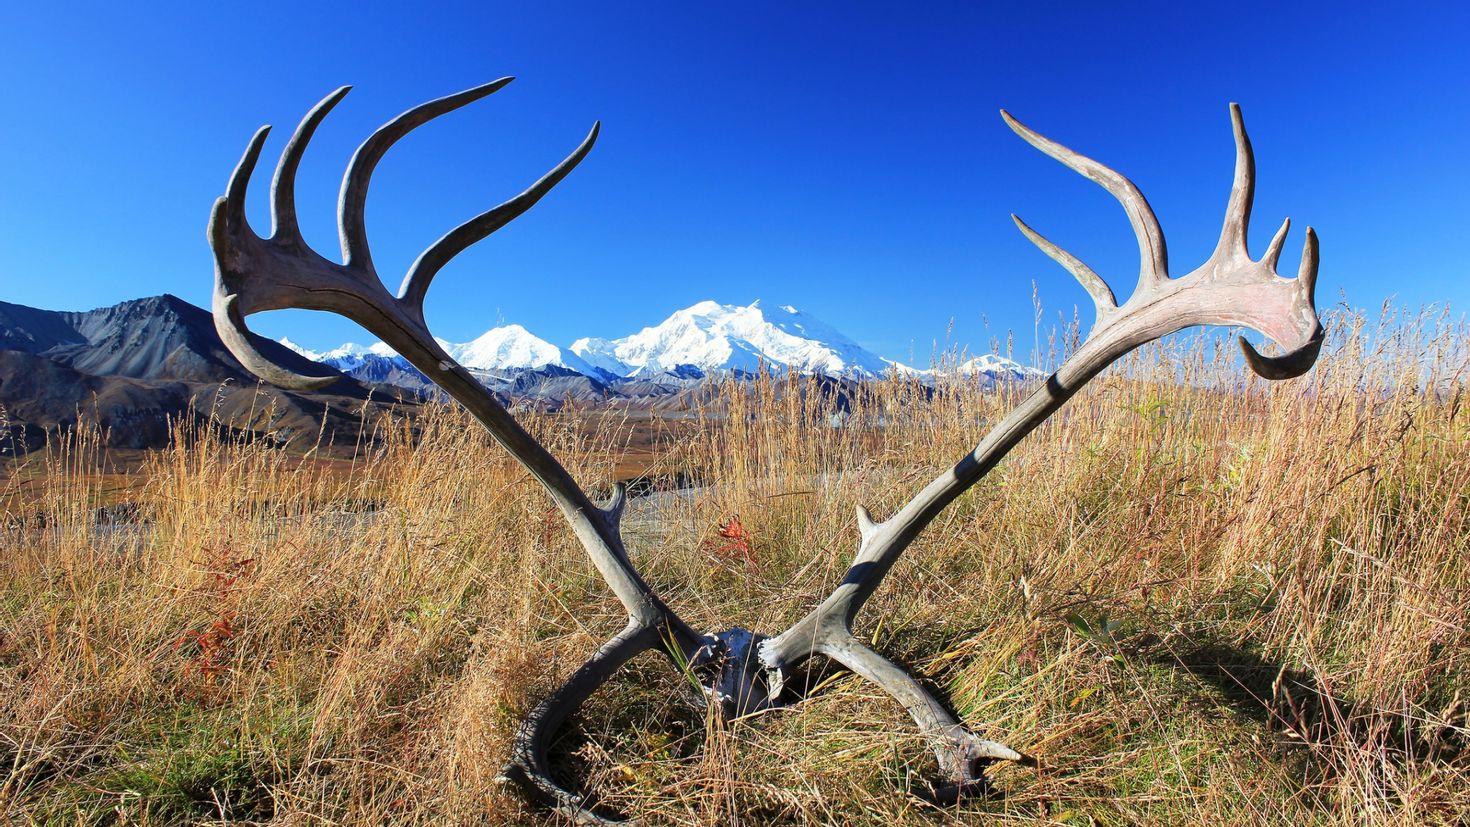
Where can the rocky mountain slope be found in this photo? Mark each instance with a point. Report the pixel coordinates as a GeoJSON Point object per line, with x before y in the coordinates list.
{"type": "Point", "coordinates": [135, 367]}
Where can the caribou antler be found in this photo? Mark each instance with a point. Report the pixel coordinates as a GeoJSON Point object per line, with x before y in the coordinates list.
{"type": "Point", "coordinates": [1228, 289]}
{"type": "Point", "coordinates": [742, 671]}
{"type": "Point", "coordinates": [254, 274]}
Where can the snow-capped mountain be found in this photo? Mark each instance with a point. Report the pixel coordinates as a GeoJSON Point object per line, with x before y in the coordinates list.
{"type": "Point", "coordinates": [350, 356]}
{"type": "Point", "coordinates": [512, 347]}
{"type": "Point", "coordinates": [313, 355]}
{"type": "Point", "coordinates": [997, 367]}
{"type": "Point", "coordinates": [506, 348]}
{"type": "Point", "coordinates": [718, 337]}
{"type": "Point", "coordinates": [707, 337]}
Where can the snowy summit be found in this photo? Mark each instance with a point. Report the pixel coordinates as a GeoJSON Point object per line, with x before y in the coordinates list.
{"type": "Point", "coordinates": [719, 337]}
{"type": "Point", "coordinates": [512, 347]}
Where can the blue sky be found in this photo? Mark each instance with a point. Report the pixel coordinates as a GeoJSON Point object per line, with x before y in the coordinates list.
{"type": "Point", "coordinates": [845, 158]}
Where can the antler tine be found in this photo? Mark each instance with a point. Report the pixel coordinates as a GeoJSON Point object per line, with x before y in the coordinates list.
{"type": "Point", "coordinates": [283, 189]}
{"type": "Point", "coordinates": [1102, 295]}
{"type": "Point", "coordinates": [1273, 250]}
{"type": "Point", "coordinates": [236, 337]}
{"type": "Point", "coordinates": [353, 202]}
{"type": "Point", "coordinates": [1296, 362]}
{"type": "Point", "coordinates": [428, 264]}
{"type": "Point", "coordinates": [233, 202]}
{"type": "Point", "coordinates": [1153, 254]}
{"type": "Point", "coordinates": [1242, 192]}
{"type": "Point", "coordinates": [228, 231]}
{"type": "Point", "coordinates": [1306, 272]}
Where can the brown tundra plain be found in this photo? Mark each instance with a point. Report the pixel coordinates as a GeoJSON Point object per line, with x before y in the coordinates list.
{"type": "Point", "coordinates": [1195, 597]}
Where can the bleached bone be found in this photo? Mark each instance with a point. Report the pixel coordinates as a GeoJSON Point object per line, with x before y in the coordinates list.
{"type": "Point", "coordinates": [1228, 289]}
{"type": "Point", "coordinates": [254, 274]}
{"type": "Point", "coordinates": [742, 671]}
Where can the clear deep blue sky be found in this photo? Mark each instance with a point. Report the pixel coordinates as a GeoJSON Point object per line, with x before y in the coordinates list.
{"type": "Point", "coordinates": [844, 158]}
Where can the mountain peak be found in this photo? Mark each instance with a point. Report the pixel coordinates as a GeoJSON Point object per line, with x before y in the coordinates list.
{"type": "Point", "coordinates": [299, 350]}
{"type": "Point", "coordinates": [512, 347]}
{"type": "Point", "coordinates": [711, 336]}
{"type": "Point", "coordinates": [704, 308]}
{"type": "Point", "coordinates": [154, 337]}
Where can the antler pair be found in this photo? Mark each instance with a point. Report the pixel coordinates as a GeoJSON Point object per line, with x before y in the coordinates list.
{"type": "Point", "coordinates": [743, 671]}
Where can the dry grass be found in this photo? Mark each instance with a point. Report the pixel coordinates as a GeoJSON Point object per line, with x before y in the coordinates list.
{"type": "Point", "coordinates": [1215, 601]}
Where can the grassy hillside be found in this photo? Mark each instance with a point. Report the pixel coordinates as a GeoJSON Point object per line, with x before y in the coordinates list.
{"type": "Point", "coordinates": [1207, 601]}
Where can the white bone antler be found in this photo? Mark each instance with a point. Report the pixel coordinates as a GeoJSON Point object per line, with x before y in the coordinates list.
{"type": "Point", "coordinates": [1228, 289]}
{"type": "Point", "coordinates": [254, 274]}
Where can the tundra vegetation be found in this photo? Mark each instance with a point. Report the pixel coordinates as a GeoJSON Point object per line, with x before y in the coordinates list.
{"type": "Point", "coordinates": [1196, 597]}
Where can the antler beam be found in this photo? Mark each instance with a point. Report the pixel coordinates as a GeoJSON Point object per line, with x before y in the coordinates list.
{"type": "Point", "coordinates": [254, 274]}
{"type": "Point", "coordinates": [1228, 289]}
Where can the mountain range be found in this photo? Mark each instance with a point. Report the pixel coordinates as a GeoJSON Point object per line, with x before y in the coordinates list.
{"type": "Point", "coordinates": [142, 366]}
{"type": "Point", "coordinates": [706, 338]}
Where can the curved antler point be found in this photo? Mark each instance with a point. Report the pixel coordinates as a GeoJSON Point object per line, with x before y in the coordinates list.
{"type": "Point", "coordinates": [1237, 118]}
{"type": "Point", "coordinates": [284, 225]}
{"type": "Point", "coordinates": [1273, 250]}
{"type": "Point", "coordinates": [352, 202]}
{"type": "Point", "coordinates": [239, 185]}
{"type": "Point", "coordinates": [236, 337]}
{"type": "Point", "coordinates": [1288, 365]}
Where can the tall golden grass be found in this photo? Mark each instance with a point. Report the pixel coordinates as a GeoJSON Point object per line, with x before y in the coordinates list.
{"type": "Point", "coordinates": [1197, 597]}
